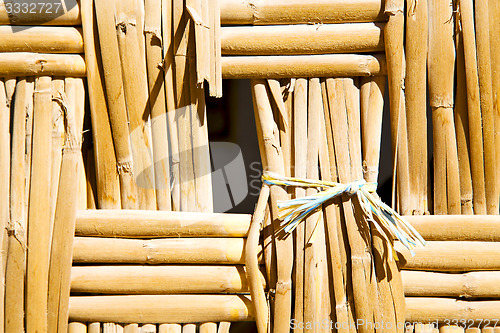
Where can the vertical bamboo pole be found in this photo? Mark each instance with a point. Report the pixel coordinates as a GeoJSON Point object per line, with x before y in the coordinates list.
{"type": "Point", "coordinates": [115, 98]}
{"type": "Point", "coordinates": [147, 328]}
{"type": "Point", "coordinates": [170, 328]}
{"type": "Point", "coordinates": [136, 97]}
{"type": "Point", "coordinates": [29, 135]}
{"type": "Point", "coordinates": [91, 180]}
{"type": "Point", "coordinates": [209, 328]}
{"type": "Point", "coordinates": [108, 188]}
{"type": "Point", "coordinates": [4, 185]}
{"type": "Point", "coordinates": [39, 210]}
{"type": "Point", "coordinates": [75, 327]}
{"type": "Point", "coordinates": [94, 328]}
{"type": "Point", "coordinates": [189, 328]}
{"type": "Point", "coordinates": [486, 100]}
{"type": "Point", "coordinates": [284, 245]}
{"type": "Point", "coordinates": [157, 104]}
{"type": "Point", "coordinates": [474, 107]}
{"type": "Point", "coordinates": [494, 9]}
{"type": "Point", "coordinates": [131, 328]}
{"type": "Point", "coordinates": [415, 95]}
{"type": "Point", "coordinates": [224, 325]}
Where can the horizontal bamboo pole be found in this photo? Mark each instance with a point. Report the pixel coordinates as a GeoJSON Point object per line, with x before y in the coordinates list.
{"type": "Point", "coordinates": [423, 309]}
{"type": "Point", "coordinates": [154, 224]}
{"type": "Point", "coordinates": [40, 13]}
{"type": "Point", "coordinates": [265, 12]}
{"type": "Point", "coordinates": [32, 64]}
{"type": "Point", "coordinates": [457, 227]}
{"type": "Point", "coordinates": [160, 309]}
{"type": "Point", "coordinates": [302, 39]}
{"type": "Point", "coordinates": [159, 251]}
{"type": "Point", "coordinates": [468, 285]}
{"type": "Point", "coordinates": [451, 256]}
{"type": "Point", "coordinates": [330, 65]}
{"type": "Point", "coordinates": [135, 279]}
{"type": "Point", "coordinates": [41, 39]}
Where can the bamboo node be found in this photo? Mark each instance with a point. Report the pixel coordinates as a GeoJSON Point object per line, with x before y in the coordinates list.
{"type": "Point", "coordinates": [125, 167]}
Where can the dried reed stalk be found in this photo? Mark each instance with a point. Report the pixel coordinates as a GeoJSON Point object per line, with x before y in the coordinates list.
{"type": "Point", "coordinates": [76, 327]}
{"type": "Point", "coordinates": [4, 183]}
{"type": "Point", "coordinates": [136, 96]}
{"type": "Point", "coordinates": [107, 181]}
{"type": "Point", "coordinates": [474, 107]}
{"type": "Point", "coordinates": [41, 39]}
{"type": "Point", "coordinates": [494, 10]}
{"type": "Point", "coordinates": [415, 85]}
{"type": "Point", "coordinates": [28, 64]}
{"type": "Point", "coordinates": [39, 210]}
{"type": "Point", "coordinates": [70, 17]}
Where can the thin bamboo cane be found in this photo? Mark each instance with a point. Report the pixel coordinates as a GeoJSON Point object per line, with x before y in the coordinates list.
{"type": "Point", "coordinates": [494, 9]}
{"type": "Point", "coordinates": [94, 328]}
{"type": "Point", "coordinates": [91, 180]}
{"type": "Point", "coordinates": [302, 39]}
{"type": "Point", "coordinates": [136, 96]}
{"type": "Point", "coordinates": [41, 39]}
{"type": "Point", "coordinates": [76, 327]}
{"type": "Point", "coordinates": [78, 86]}
{"type": "Point", "coordinates": [474, 107]}
{"type": "Point", "coordinates": [28, 64]}
{"type": "Point", "coordinates": [189, 328]}
{"type": "Point", "coordinates": [157, 104]}
{"type": "Point", "coordinates": [284, 119]}
{"type": "Point", "coordinates": [117, 109]}
{"type": "Point", "coordinates": [131, 328]}
{"type": "Point", "coordinates": [224, 327]}
{"type": "Point", "coordinates": [200, 25]}
{"type": "Point", "coordinates": [4, 183]}
{"type": "Point", "coordinates": [322, 65]}
{"type": "Point", "coordinates": [298, 11]}
{"type": "Point", "coordinates": [108, 187]}
{"type": "Point", "coordinates": [208, 328]}
{"type": "Point", "coordinates": [441, 66]}
{"type": "Point", "coordinates": [170, 328]}
{"type": "Point", "coordinates": [415, 85]}
{"type": "Point", "coordinates": [481, 12]}
{"type": "Point", "coordinates": [39, 210]}
{"type": "Point", "coordinates": [161, 309]}
{"type": "Point", "coordinates": [56, 16]}
{"type": "Point", "coordinates": [284, 245]}
{"type": "Point", "coordinates": [29, 135]}
{"type": "Point", "coordinates": [215, 74]}
{"type": "Point", "coordinates": [150, 328]}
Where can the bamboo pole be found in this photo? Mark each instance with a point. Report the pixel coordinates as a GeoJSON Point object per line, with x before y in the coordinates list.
{"type": "Point", "coordinates": [482, 284]}
{"type": "Point", "coordinates": [441, 68]}
{"type": "Point", "coordinates": [189, 328]}
{"type": "Point", "coordinates": [56, 16]}
{"type": "Point", "coordinates": [494, 10]}
{"type": "Point", "coordinates": [94, 328]}
{"type": "Point", "coordinates": [76, 327]}
{"type": "Point", "coordinates": [29, 64]}
{"type": "Point", "coordinates": [481, 12]}
{"type": "Point", "coordinates": [324, 65]}
{"type": "Point", "coordinates": [115, 97]}
{"type": "Point", "coordinates": [158, 251]}
{"type": "Point", "coordinates": [161, 309]}
{"type": "Point", "coordinates": [208, 328]}
{"type": "Point", "coordinates": [169, 328]}
{"type": "Point", "coordinates": [41, 39]}
{"type": "Point", "coordinates": [29, 135]}
{"type": "Point", "coordinates": [108, 188]}
{"type": "Point", "coordinates": [136, 97]}
{"type": "Point", "coordinates": [171, 279]}
{"type": "Point", "coordinates": [4, 183]}
{"type": "Point", "coordinates": [131, 328]}
{"type": "Point", "coordinates": [150, 328]}
{"type": "Point", "coordinates": [302, 39]}
{"type": "Point", "coordinates": [474, 108]}
{"type": "Point", "coordinates": [300, 12]}
{"type": "Point", "coordinates": [155, 224]}
{"type": "Point", "coordinates": [224, 327]}
{"type": "Point", "coordinates": [157, 104]}
{"type": "Point", "coordinates": [415, 84]}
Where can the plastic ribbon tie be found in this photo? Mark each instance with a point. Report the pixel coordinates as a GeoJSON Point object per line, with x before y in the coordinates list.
{"type": "Point", "coordinates": [385, 219]}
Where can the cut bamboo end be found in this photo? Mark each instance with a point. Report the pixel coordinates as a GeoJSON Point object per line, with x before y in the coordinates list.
{"type": "Point", "coordinates": [171, 279]}
{"type": "Point", "coordinates": [161, 309]}
{"type": "Point", "coordinates": [331, 65]}
{"type": "Point", "coordinates": [302, 39]}
{"type": "Point", "coordinates": [156, 224]}
{"type": "Point", "coordinates": [76, 327]}
{"type": "Point", "coordinates": [33, 64]}
{"type": "Point", "coordinates": [41, 39]}
{"type": "Point", "coordinates": [67, 13]}
{"type": "Point", "coordinates": [160, 251]}
{"type": "Point", "coordinates": [268, 12]}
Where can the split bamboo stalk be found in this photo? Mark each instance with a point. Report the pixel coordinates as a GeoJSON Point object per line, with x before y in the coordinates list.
{"type": "Point", "coordinates": [4, 183]}
{"type": "Point", "coordinates": [155, 224]}
{"type": "Point", "coordinates": [284, 245]}
{"type": "Point", "coordinates": [16, 261]}
{"type": "Point", "coordinates": [393, 36]}
{"type": "Point", "coordinates": [208, 328]}
{"type": "Point", "coordinates": [474, 107]}
{"type": "Point", "coordinates": [56, 16]}
{"type": "Point", "coordinates": [451, 256]}
{"type": "Point", "coordinates": [199, 55]}
{"type": "Point", "coordinates": [494, 9]}
{"type": "Point", "coordinates": [150, 328]}
{"type": "Point", "coordinates": [215, 73]}
{"type": "Point", "coordinates": [462, 128]}
{"type": "Point", "coordinates": [161, 309]}
{"type": "Point", "coordinates": [29, 135]}
{"type": "Point", "coordinates": [302, 39]}
{"type": "Point", "coordinates": [300, 12]}
{"type": "Point", "coordinates": [283, 116]}
{"type": "Point", "coordinates": [157, 104]}
{"type": "Point", "coordinates": [158, 251]}
{"type": "Point", "coordinates": [108, 187]}
{"type": "Point", "coordinates": [457, 228]}
{"type": "Point", "coordinates": [481, 12]}
{"type": "Point", "coordinates": [323, 65]}
{"type": "Point", "coordinates": [482, 284]}
{"type": "Point", "coordinates": [28, 64]}
{"type": "Point", "coordinates": [171, 279]}
{"type": "Point", "coordinates": [169, 328]}
{"type": "Point", "coordinates": [136, 97]}
{"type": "Point", "coordinates": [415, 85]}
{"type": "Point", "coordinates": [117, 109]}
{"type": "Point", "coordinates": [39, 210]}
{"type": "Point", "coordinates": [76, 327]}
{"type": "Point", "coordinates": [424, 309]}
{"type": "Point", "coordinates": [41, 39]}
{"type": "Point", "coordinates": [224, 327]}
{"type": "Point", "coordinates": [441, 68]}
